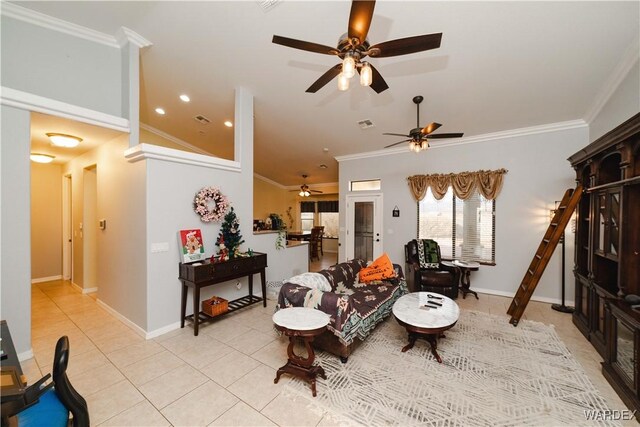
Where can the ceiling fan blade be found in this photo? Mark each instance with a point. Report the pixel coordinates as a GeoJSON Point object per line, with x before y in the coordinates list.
{"type": "Point", "coordinates": [377, 82]}
{"type": "Point", "coordinates": [325, 78]}
{"type": "Point", "coordinates": [315, 191]}
{"type": "Point", "coordinates": [406, 46]}
{"type": "Point", "coordinates": [397, 143]}
{"type": "Point", "coordinates": [397, 134]}
{"type": "Point", "coordinates": [445, 135]}
{"type": "Point", "coordinates": [308, 46]}
{"type": "Point", "coordinates": [430, 128]}
{"type": "Point", "coordinates": [360, 19]}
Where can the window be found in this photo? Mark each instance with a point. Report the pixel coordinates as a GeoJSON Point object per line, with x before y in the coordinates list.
{"type": "Point", "coordinates": [368, 185]}
{"type": "Point", "coordinates": [330, 222]}
{"type": "Point", "coordinates": [306, 218]}
{"type": "Point", "coordinates": [464, 229]}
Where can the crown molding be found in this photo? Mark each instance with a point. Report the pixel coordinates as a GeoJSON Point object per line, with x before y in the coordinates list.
{"type": "Point", "coordinates": [619, 73]}
{"type": "Point", "coordinates": [173, 139]}
{"type": "Point", "coordinates": [148, 151]}
{"type": "Point", "coordinates": [513, 133]}
{"type": "Point", "coordinates": [125, 35]}
{"type": "Point", "coordinates": [28, 101]}
{"type": "Point", "coordinates": [30, 16]}
{"type": "Point", "coordinates": [269, 181]}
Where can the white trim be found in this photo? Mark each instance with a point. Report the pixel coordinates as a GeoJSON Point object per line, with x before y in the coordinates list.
{"type": "Point", "coordinates": [28, 101]}
{"type": "Point", "coordinates": [533, 130]}
{"type": "Point", "coordinates": [269, 181]}
{"type": "Point", "coordinates": [24, 14]}
{"type": "Point", "coordinates": [75, 285]}
{"type": "Point", "coordinates": [126, 35]}
{"type": "Point", "coordinates": [137, 329]}
{"type": "Point", "coordinates": [619, 73]}
{"type": "Point", "coordinates": [25, 355]}
{"type": "Point", "coordinates": [46, 279]}
{"type": "Point", "coordinates": [89, 290]}
{"type": "Point", "coordinates": [173, 139]}
{"type": "Point", "coordinates": [147, 151]}
{"type": "Point", "coordinates": [511, 295]}
{"type": "Point", "coordinates": [163, 330]}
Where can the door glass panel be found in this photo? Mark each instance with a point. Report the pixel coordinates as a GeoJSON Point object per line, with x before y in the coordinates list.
{"type": "Point", "coordinates": [614, 215]}
{"type": "Point", "coordinates": [363, 230]}
{"type": "Point", "coordinates": [601, 315]}
{"type": "Point", "coordinates": [584, 307]}
{"type": "Point", "coordinates": [601, 222]}
{"type": "Point", "coordinates": [625, 357]}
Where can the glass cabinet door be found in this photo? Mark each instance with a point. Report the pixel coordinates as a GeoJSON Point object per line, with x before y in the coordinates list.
{"type": "Point", "coordinates": [613, 222]}
{"type": "Point", "coordinates": [602, 221]}
{"type": "Point", "coordinates": [625, 357]}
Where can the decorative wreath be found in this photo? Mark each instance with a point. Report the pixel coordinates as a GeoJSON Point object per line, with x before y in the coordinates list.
{"type": "Point", "coordinates": [210, 204]}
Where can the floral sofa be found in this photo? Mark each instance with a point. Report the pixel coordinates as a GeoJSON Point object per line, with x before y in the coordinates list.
{"type": "Point", "coordinates": [354, 308]}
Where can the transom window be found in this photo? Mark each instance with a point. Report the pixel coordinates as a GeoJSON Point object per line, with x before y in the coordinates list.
{"type": "Point", "coordinates": [464, 229]}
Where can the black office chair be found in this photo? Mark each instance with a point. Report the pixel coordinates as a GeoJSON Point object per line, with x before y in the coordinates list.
{"type": "Point", "coordinates": [436, 276]}
{"type": "Point", "coordinates": [50, 405]}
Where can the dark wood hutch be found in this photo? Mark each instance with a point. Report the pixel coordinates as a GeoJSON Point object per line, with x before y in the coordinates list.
{"type": "Point", "coordinates": [607, 254]}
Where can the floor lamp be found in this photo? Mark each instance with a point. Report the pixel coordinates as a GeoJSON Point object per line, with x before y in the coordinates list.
{"type": "Point", "coordinates": [561, 307]}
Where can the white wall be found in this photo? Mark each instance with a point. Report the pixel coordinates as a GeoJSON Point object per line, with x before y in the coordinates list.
{"type": "Point", "coordinates": [61, 67]}
{"type": "Point", "coordinates": [538, 175]}
{"type": "Point", "coordinates": [623, 104]}
{"type": "Point", "coordinates": [90, 227]}
{"type": "Point", "coordinates": [171, 188]}
{"type": "Point", "coordinates": [15, 283]}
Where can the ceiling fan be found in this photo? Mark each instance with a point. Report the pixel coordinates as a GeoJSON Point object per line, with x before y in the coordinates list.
{"type": "Point", "coordinates": [305, 191]}
{"type": "Point", "coordinates": [354, 46]}
{"type": "Point", "coordinates": [418, 137]}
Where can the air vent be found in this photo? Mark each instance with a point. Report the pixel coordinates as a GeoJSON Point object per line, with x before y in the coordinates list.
{"type": "Point", "coordinates": [267, 5]}
{"type": "Point", "coordinates": [365, 124]}
{"type": "Point", "coordinates": [202, 120]}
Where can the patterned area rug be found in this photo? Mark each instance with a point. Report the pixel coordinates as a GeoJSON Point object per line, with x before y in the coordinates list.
{"type": "Point", "coordinates": [492, 374]}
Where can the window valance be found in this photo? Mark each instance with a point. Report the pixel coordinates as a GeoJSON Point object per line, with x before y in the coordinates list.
{"type": "Point", "coordinates": [328, 206]}
{"type": "Point", "coordinates": [487, 183]}
{"type": "Point", "coordinates": [307, 207]}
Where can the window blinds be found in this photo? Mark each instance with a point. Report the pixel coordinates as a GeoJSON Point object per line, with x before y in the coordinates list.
{"type": "Point", "coordinates": [308, 207]}
{"type": "Point", "coordinates": [328, 206]}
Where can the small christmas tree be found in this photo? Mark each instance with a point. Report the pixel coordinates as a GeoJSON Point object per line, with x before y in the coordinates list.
{"type": "Point", "coordinates": [230, 234]}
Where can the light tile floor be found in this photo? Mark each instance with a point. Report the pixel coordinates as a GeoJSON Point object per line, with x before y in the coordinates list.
{"type": "Point", "coordinates": [224, 377]}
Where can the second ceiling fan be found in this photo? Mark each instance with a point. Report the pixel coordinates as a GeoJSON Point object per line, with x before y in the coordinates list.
{"type": "Point", "coordinates": [418, 137]}
{"type": "Point", "coordinates": [354, 46]}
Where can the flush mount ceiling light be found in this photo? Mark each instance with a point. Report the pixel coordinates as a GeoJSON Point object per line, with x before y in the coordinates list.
{"type": "Point", "coordinates": [160, 111]}
{"type": "Point", "coordinates": [41, 158]}
{"type": "Point", "coordinates": [185, 98]}
{"type": "Point", "coordinates": [228, 124]}
{"type": "Point", "coordinates": [64, 140]}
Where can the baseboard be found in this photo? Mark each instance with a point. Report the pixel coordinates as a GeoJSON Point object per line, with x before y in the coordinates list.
{"type": "Point", "coordinates": [89, 290]}
{"type": "Point", "coordinates": [511, 295]}
{"type": "Point", "coordinates": [137, 329]}
{"type": "Point", "coordinates": [25, 355]}
{"type": "Point", "coordinates": [163, 330]}
{"type": "Point", "coordinates": [75, 285]}
{"type": "Point", "coordinates": [46, 279]}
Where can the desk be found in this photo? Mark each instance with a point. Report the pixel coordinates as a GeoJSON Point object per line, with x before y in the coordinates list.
{"type": "Point", "coordinates": [298, 235]}
{"type": "Point", "coordinates": [207, 273]}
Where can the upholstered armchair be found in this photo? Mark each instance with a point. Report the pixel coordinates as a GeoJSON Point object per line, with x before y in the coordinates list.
{"type": "Point", "coordinates": [433, 275]}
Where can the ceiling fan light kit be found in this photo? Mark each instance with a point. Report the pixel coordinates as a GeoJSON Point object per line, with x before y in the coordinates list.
{"type": "Point", "coordinates": [354, 46]}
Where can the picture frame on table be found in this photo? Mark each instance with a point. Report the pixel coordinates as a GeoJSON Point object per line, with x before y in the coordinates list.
{"type": "Point", "coordinates": [191, 245]}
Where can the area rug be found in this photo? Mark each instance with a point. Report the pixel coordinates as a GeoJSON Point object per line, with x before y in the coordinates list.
{"type": "Point", "coordinates": [493, 374]}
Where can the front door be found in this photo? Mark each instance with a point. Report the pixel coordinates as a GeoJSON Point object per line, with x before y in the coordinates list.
{"type": "Point", "coordinates": [364, 226]}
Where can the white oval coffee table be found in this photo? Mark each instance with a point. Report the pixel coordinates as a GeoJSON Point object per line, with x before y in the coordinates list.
{"type": "Point", "coordinates": [306, 323]}
{"type": "Point", "coordinates": [420, 321]}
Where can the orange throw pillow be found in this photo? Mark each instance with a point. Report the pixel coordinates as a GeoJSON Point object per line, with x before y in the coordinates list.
{"type": "Point", "coordinates": [381, 268]}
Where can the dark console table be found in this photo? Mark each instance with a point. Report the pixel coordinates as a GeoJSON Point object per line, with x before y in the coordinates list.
{"type": "Point", "coordinates": [208, 273]}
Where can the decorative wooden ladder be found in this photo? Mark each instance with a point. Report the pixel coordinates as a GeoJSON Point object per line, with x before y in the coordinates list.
{"type": "Point", "coordinates": [543, 254]}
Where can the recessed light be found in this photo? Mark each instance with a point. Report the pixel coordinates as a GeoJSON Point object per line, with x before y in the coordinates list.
{"type": "Point", "coordinates": [41, 158]}
{"type": "Point", "coordinates": [64, 140]}
{"type": "Point", "coordinates": [185, 98]}
{"type": "Point", "coordinates": [325, 149]}
{"type": "Point", "coordinates": [322, 166]}
{"type": "Point", "coordinates": [228, 124]}
{"type": "Point", "coordinates": [160, 111]}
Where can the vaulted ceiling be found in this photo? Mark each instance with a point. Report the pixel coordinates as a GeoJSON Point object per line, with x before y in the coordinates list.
{"type": "Point", "coordinates": [501, 66]}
